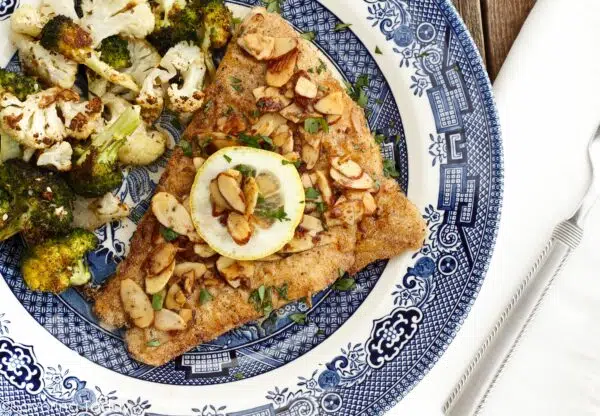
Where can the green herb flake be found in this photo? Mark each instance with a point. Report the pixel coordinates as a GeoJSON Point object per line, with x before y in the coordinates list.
{"type": "Point", "coordinates": [379, 138]}
{"type": "Point", "coordinates": [282, 291]}
{"type": "Point", "coordinates": [239, 375]}
{"type": "Point", "coordinates": [357, 91]}
{"type": "Point", "coordinates": [311, 70]}
{"type": "Point", "coordinates": [341, 27]}
{"type": "Point", "coordinates": [205, 296]}
{"type": "Point", "coordinates": [261, 293]}
{"type": "Point", "coordinates": [379, 101]}
{"type": "Point", "coordinates": [236, 84]}
{"type": "Point", "coordinates": [322, 67]}
{"type": "Point", "coordinates": [321, 207]}
{"type": "Point", "coordinates": [378, 51]}
{"type": "Point", "coordinates": [227, 158]}
{"type": "Point", "coordinates": [261, 299]}
{"type": "Point", "coordinates": [256, 113]}
{"type": "Point", "coordinates": [168, 234]}
{"type": "Point", "coordinates": [153, 344]}
{"type": "Point", "coordinates": [312, 125]}
{"type": "Point", "coordinates": [272, 6]}
{"type": "Point", "coordinates": [186, 147]}
{"type": "Point", "coordinates": [157, 301]}
{"type": "Point", "coordinates": [230, 110]}
{"type": "Point", "coordinates": [257, 142]}
{"type": "Point", "coordinates": [246, 170]}
{"type": "Point", "coordinates": [309, 36]}
{"type": "Point", "coordinates": [389, 169]}
{"type": "Point", "coordinates": [236, 21]}
{"type": "Point", "coordinates": [344, 284]}
{"type": "Point", "coordinates": [299, 318]}
{"type": "Point", "coordinates": [312, 193]}
{"type": "Point", "coordinates": [208, 106]}
{"type": "Point", "coordinates": [278, 214]}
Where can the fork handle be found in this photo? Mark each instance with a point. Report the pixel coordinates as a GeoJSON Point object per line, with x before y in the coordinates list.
{"type": "Point", "coordinates": [473, 388]}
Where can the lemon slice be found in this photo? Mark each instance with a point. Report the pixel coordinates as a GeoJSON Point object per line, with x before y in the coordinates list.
{"type": "Point", "coordinates": [280, 191]}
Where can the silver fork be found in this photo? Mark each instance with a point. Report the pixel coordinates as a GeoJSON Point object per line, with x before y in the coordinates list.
{"type": "Point", "coordinates": [472, 390]}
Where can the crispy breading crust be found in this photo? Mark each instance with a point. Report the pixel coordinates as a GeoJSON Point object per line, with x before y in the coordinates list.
{"type": "Point", "coordinates": [397, 227]}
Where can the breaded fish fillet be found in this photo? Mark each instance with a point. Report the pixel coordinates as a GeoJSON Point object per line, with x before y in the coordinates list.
{"type": "Point", "coordinates": [231, 108]}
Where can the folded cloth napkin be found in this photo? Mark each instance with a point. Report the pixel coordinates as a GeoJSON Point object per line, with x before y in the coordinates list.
{"type": "Point", "coordinates": [548, 96]}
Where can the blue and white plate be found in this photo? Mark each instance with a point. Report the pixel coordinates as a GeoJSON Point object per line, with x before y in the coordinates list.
{"type": "Point", "coordinates": [360, 351]}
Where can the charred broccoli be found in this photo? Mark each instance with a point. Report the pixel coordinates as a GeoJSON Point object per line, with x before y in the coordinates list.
{"type": "Point", "coordinates": [17, 84]}
{"type": "Point", "coordinates": [62, 35]}
{"type": "Point", "coordinates": [40, 202]}
{"type": "Point", "coordinates": [57, 264]}
{"type": "Point", "coordinates": [96, 171]}
{"type": "Point", "coordinates": [217, 22]}
{"type": "Point", "coordinates": [115, 52]}
{"type": "Point", "coordinates": [175, 24]}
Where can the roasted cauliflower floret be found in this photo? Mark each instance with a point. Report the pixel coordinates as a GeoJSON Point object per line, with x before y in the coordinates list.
{"type": "Point", "coordinates": [82, 119]}
{"type": "Point", "coordinates": [152, 96]}
{"type": "Point", "coordinates": [92, 214]}
{"type": "Point", "coordinates": [176, 21]}
{"type": "Point", "coordinates": [104, 18]}
{"type": "Point", "coordinates": [50, 67]}
{"type": "Point", "coordinates": [30, 20]}
{"type": "Point", "coordinates": [185, 61]}
{"type": "Point", "coordinates": [58, 156]}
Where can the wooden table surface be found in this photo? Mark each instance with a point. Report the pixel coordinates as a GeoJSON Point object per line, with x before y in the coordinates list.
{"type": "Point", "coordinates": [494, 25]}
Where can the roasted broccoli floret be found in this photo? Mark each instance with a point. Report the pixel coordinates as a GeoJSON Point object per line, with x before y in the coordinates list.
{"type": "Point", "coordinates": [62, 35]}
{"type": "Point", "coordinates": [59, 263]}
{"type": "Point", "coordinates": [114, 51]}
{"type": "Point", "coordinates": [96, 171]}
{"type": "Point", "coordinates": [217, 22]}
{"type": "Point", "coordinates": [41, 203]}
{"type": "Point", "coordinates": [175, 22]}
{"type": "Point", "coordinates": [18, 84]}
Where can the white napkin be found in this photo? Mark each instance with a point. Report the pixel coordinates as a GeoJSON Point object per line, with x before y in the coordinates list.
{"type": "Point", "coordinates": [548, 96]}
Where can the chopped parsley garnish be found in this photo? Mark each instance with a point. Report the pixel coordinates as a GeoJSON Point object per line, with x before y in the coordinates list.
{"type": "Point", "coordinates": [323, 88]}
{"type": "Point", "coordinates": [258, 142]}
{"type": "Point", "coordinates": [186, 147]}
{"type": "Point", "coordinates": [344, 284]}
{"type": "Point", "coordinates": [227, 158]}
{"type": "Point", "coordinates": [299, 318]}
{"type": "Point", "coordinates": [379, 101]}
{"type": "Point", "coordinates": [312, 125]}
{"type": "Point", "coordinates": [283, 291]}
{"type": "Point", "coordinates": [157, 301]}
{"type": "Point", "coordinates": [246, 170]}
{"type": "Point", "coordinates": [236, 84]}
{"type": "Point", "coordinates": [397, 138]}
{"type": "Point", "coordinates": [321, 207]}
{"type": "Point", "coordinates": [168, 234]}
{"type": "Point", "coordinates": [229, 111]}
{"type": "Point", "coordinates": [341, 27]}
{"type": "Point", "coordinates": [357, 91]}
{"type": "Point", "coordinates": [296, 163]}
{"type": "Point", "coordinates": [378, 51]}
{"type": "Point", "coordinates": [322, 66]}
{"type": "Point", "coordinates": [309, 36]}
{"type": "Point", "coordinates": [153, 344]}
{"type": "Point", "coordinates": [273, 6]}
{"type": "Point", "coordinates": [260, 200]}
{"type": "Point", "coordinates": [208, 106]}
{"type": "Point", "coordinates": [278, 214]}
{"type": "Point", "coordinates": [239, 375]}
{"type": "Point", "coordinates": [255, 113]}
{"type": "Point", "coordinates": [261, 299]}
{"type": "Point", "coordinates": [312, 193]}
{"type": "Point", "coordinates": [205, 297]}
{"type": "Point", "coordinates": [389, 169]}
{"type": "Point", "coordinates": [379, 138]}
{"type": "Point", "coordinates": [236, 21]}
{"type": "Point", "coordinates": [204, 143]}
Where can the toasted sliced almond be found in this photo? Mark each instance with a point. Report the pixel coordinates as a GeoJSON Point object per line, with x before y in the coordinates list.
{"type": "Point", "coordinates": [182, 268]}
{"type": "Point", "coordinates": [156, 283]}
{"type": "Point", "coordinates": [136, 303]}
{"type": "Point", "coordinates": [189, 280]}
{"type": "Point", "coordinates": [268, 185]}
{"type": "Point", "coordinates": [224, 262]}
{"type": "Point", "coordinates": [283, 46]}
{"type": "Point", "coordinates": [233, 271]}
{"type": "Point", "coordinates": [235, 174]}
{"type": "Point", "coordinates": [204, 250]}
{"type": "Point", "coordinates": [272, 104]}
{"type": "Point", "coordinates": [239, 228]}
{"type": "Point", "coordinates": [306, 88]}
{"type": "Point", "coordinates": [222, 142]}
{"type": "Point", "coordinates": [261, 222]}
{"type": "Point", "coordinates": [251, 193]}
{"type": "Point", "coordinates": [160, 258]}
{"type": "Point", "coordinates": [198, 162]}
{"type": "Point", "coordinates": [293, 113]}
{"type": "Point", "coordinates": [280, 71]}
{"type": "Point", "coordinates": [347, 167]}
{"type": "Point", "coordinates": [324, 187]}
{"type": "Point", "coordinates": [219, 203]}
{"type": "Point", "coordinates": [306, 181]}
{"type": "Point", "coordinates": [311, 224]}
{"type": "Point", "coordinates": [268, 123]}
{"type": "Point", "coordinates": [170, 213]}
{"type": "Point", "coordinates": [310, 155]}
{"type": "Point", "coordinates": [259, 46]}
{"type": "Point", "coordinates": [299, 244]}
{"type": "Point", "coordinates": [333, 119]}
{"type": "Point", "coordinates": [369, 203]}
{"type": "Point", "coordinates": [231, 192]}
{"type": "Point", "coordinates": [364, 182]}
{"type": "Point", "coordinates": [166, 320]}
{"type": "Point", "coordinates": [331, 104]}
{"type": "Point", "coordinates": [281, 136]}
{"type": "Point", "coordinates": [173, 294]}
{"type": "Point", "coordinates": [259, 92]}
{"type": "Point", "coordinates": [186, 315]}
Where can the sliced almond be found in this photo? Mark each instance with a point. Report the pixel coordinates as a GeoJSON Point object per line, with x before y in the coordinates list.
{"type": "Point", "coordinates": [239, 228]}
{"type": "Point", "coordinates": [182, 268]}
{"type": "Point", "coordinates": [306, 88]}
{"type": "Point", "coordinates": [333, 119]}
{"type": "Point", "coordinates": [283, 46]}
{"type": "Point", "coordinates": [198, 162]}
{"type": "Point", "coordinates": [272, 104]}
{"type": "Point", "coordinates": [224, 263]}
{"type": "Point", "coordinates": [364, 182]}
{"type": "Point", "coordinates": [349, 213]}
{"type": "Point", "coordinates": [235, 174]}
{"type": "Point", "coordinates": [280, 71]}
{"type": "Point", "coordinates": [160, 258]}
{"type": "Point", "coordinates": [251, 193]}
{"type": "Point", "coordinates": [136, 303]}
{"type": "Point", "coordinates": [204, 250]}
{"type": "Point", "coordinates": [170, 213]}
{"type": "Point", "coordinates": [267, 124]}
{"type": "Point", "coordinates": [259, 46]}
{"type": "Point", "coordinates": [306, 181]}
{"type": "Point", "coordinates": [218, 143]}
{"type": "Point", "coordinates": [259, 92]}
{"type": "Point", "coordinates": [156, 283]}
{"type": "Point", "coordinates": [369, 203]}
{"type": "Point", "coordinates": [311, 224]}
{"type": "Point", "coordinates": [310, 155]}
{"type": "Point", "coordinates": [331, 104]}
{"type": "Point", "coordinates": [189, 279]}
{"type": "Point", "coordinates": [231, 192]}
{"type": "Point", "coordinates": [299, 244]}
{"type": "Point", "coordinates": [166, 320]}
{"type": "Point", "coordinates": [173, 294]}
{"type": "Point", "coordinates": [268, 185]}
{"type": "Point", "coordinates": [324, 187]}
{"type": "Point", "coordinates": [347, 167]}
{"type": "Point", "coordinates": [219, 203]}
{"type": "Point", "coordinates": [292, 157]}
{"type": "Point", "coordinates": [233, 271]}
{"type": "Point", "coordinates": [293, 113]}
{"type": "Point", "coordinates": [261, 222]}
{"type": "Point", "coordinates": [280, 135]}
{"type": "Point", "coordinates": [186, 315]}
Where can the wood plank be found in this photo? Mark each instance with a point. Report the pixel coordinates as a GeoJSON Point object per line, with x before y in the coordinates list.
{"type": "Point", "coordinates": [502, 21]}
{"type": "Point", "coordinates": [470, 11]}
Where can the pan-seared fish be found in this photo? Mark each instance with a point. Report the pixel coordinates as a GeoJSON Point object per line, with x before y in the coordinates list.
{"type": "Point", "coordinates": [361, 223]}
